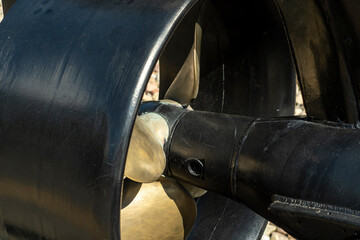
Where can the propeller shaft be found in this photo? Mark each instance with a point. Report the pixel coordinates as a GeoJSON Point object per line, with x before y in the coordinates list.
{"type": "Point", "coordinates": [302, 175]}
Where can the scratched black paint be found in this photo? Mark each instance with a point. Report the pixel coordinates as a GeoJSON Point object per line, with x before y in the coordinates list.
{"type": "Point", "coordinates": [246, 68]}
{"type": "Point", "coordinates": [71, 77]}
{"type": "Point", "coordinates": [324, 68]}
{"type": "Point", "coordinates": [301, 175]}
{"type": "Point", "coordinates": [72, 71]}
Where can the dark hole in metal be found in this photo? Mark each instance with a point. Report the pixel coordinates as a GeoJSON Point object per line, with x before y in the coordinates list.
{"type": "Point", "coordinates": [195, 167]}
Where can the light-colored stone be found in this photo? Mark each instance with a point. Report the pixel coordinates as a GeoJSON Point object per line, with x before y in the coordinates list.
{"type": "Point", "coordinates": [291, 237]}
{"type": "Point", "coordinates": [299, 98]}
{"type": "Point", "coordinates": [152, 86]}
{"type": "Point", "coordinates": [265, 237]}
{"type": "Point", "coordinates": [269, 229]}
{"type": "Point", "coordinates": [147, 97]}
{"type": "Point", "coordinates": [298, 111]}
{"type": "Point", "coordinates": [155, 96]}
{"type": "Point", "coordinates": [299, 108]}
{"type": "Point", "coordinates": [280, 230]}
{"type": "Point", "coordinates": [1, 12]}
{"type": "Point", "coordinates": [278, 236]}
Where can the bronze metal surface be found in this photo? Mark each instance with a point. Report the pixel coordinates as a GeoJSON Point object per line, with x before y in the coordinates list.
{"type": "Point", "coordinates": [195, 192]}
{"type": "Point", "coordinates": [158, 210]}
{"type": "Point", "coordinates": [146, 159]}
{"type": "Point", "coordinates": [158, 126]}
{"type": "Point", "coordinates": [185, 86]}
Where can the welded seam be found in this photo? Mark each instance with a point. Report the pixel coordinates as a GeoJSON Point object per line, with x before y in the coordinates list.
{"type": "Point", "coordinates": [304, 204]}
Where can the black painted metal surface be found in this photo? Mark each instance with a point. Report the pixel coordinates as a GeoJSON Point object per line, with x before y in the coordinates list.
{"type": "Point", "coordinates": [72, 73]}
{"type": "Point", "coordinates": [222, 218]}
{"type": "Point", "coordinates": [319, 179]}
{"type": "Point", "coordinates": [218, 217]}
{"type": "Point", "coordinates": [246, 68]}
{"type": "Point", "coordinates": [301, 175]}
{"type": "Point", "coordinates": [326, 71]}
{"type": "Point", "coordinates": [246, 63]}
{"type": "Point", "coordinates": [348, 22]}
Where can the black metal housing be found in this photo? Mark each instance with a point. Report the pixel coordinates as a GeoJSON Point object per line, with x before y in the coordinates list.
{"type": "Point", "coordinates": [247, 69]}
{"type": "Point", "coordinates": [72, 74]}
{"type": "Point", "coordinates": [310, 187]}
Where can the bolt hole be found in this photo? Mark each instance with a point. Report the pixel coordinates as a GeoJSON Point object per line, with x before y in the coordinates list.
{"type": "Point", "coordinates": [195, 167]}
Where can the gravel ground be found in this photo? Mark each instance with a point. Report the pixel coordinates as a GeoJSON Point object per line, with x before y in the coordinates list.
{"type": "Point", "coordinates": [272, 232]}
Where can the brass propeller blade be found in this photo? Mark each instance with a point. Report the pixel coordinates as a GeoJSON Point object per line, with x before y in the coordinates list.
{"type": "Point", "coordinates": [195, 192]}
{"type": "Point", "coordinates": [158, 126]}
{"type": "Point", "coordinates": [146, 158]}
{"type": "Point", "coordinates": [158, 210]}
{"type": "Point", "coordinates": [185, 86]}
